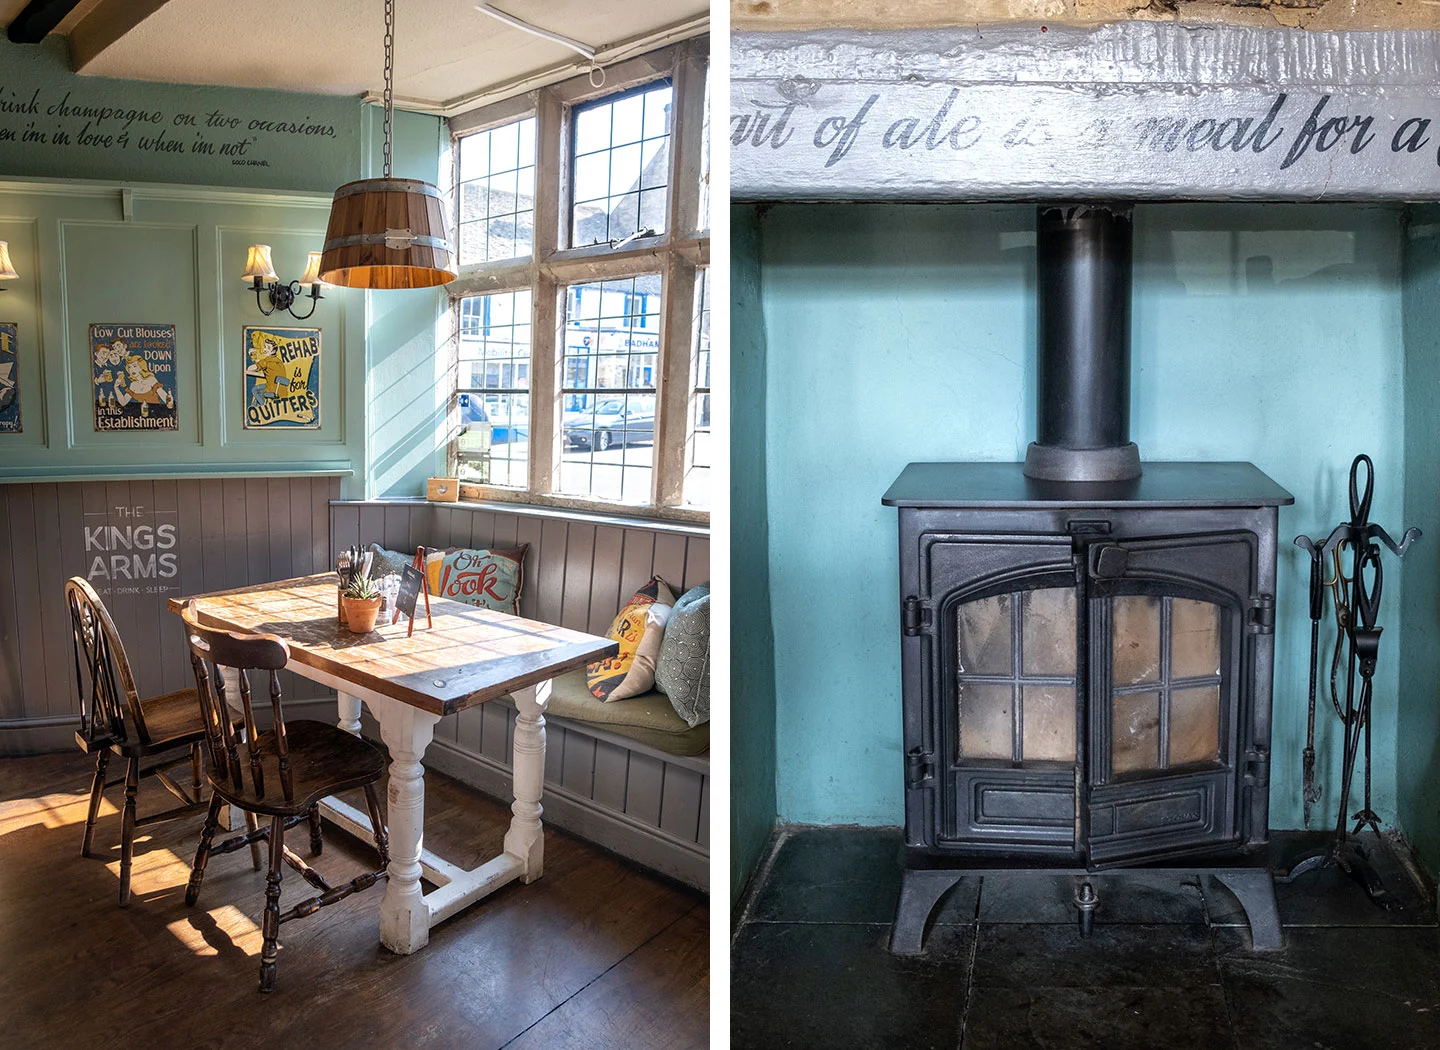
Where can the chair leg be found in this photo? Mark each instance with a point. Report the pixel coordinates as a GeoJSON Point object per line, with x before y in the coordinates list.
{"type": "Point", "coordinates": [195, 771]}
{"type": "Point", "coordinates": [382, 840]}
{"type": "Point", "coordinates": [270, 950]}
{"type": "Point", "coordinates": [97, 792]}
{"type": "Point", "coordinates": [317, 844]}
{"type": "Point", "coordinates": [127, 829]}
{"type": "Point", "coordinates": [251, 823]}
{"type": "Point", "coordinates": [202, 853]}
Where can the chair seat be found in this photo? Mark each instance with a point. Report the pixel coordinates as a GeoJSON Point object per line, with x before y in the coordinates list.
{"type": "Point", "coordinates": [324, 760]}
{"type": "Point", "coordinates": [171, 720]}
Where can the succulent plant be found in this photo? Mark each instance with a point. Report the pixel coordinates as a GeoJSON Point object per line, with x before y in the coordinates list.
{"type": "Point", "coordinates": [362, 588]}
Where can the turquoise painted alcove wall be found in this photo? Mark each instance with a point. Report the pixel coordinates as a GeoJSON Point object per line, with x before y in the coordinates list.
{"type": "Point", "coordinates": [752, 640]}
{"type": "Point", "coordinates": [115, 233]}
{"type": "Point", "coordinates": [907, 333]}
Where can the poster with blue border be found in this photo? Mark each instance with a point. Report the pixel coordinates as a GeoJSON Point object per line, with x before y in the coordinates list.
{"type": "Point", "coordinates": [133, 374]}
{"type": "Point", "coordinates": [282, 378]}
{"type": "Point", "coordinates": [9, 378]}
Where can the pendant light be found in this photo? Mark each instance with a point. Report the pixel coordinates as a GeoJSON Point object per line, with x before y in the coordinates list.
{"type": "Point", "coordinates": [386, 232]}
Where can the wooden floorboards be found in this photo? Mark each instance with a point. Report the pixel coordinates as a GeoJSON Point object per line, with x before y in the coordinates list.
{"type": "Point", "coordinates": [597, 954]}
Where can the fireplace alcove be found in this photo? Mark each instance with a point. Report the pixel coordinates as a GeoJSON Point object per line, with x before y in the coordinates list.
{"type": "Point", "coordinates": [888, 333]}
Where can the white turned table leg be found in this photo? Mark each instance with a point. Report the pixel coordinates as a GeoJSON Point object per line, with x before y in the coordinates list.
{"type": "Point", "coordinates": [404, 915]}
{"type": "Point", "coordinates": [525, 839]}
{"type": "Point", "coordinates": [349, 713]}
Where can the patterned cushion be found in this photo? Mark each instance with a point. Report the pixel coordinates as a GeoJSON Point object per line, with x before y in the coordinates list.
{"type": "Point", "coordinates": [385, 561]}
{"type": "Point", "coordinates": [683, 670]}
{"type": "Point", "coordinates": [490, 579]}
{"type": "Point", "coordinates": [630, 628]}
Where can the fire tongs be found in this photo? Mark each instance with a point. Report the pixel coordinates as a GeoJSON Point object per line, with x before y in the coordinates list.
{"type": "Point", "coordinates": [1355, 624]}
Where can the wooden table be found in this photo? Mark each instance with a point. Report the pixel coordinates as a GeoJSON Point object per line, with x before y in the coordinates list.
{"type": "Point", "coordinates": [470, 656]}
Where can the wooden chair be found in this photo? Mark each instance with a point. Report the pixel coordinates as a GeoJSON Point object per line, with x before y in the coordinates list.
{"type": "Point", "coordinates": [114, 719]}
{"type": "Point", "coordinates": [291, 768]}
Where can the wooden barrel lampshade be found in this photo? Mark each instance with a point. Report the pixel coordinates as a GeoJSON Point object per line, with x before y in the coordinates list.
{"type": "Point", "coordinates": [387, 233]}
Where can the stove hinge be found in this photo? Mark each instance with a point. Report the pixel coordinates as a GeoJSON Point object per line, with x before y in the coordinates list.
{"type": "Point", "coordinates": [918, 767]}
{"type": "Point", "coordinates": [1262, 614]}
{"type": "Point", "coordinates": [1255, 770]}
{"type": "Point", "coordinates": [914, 616]}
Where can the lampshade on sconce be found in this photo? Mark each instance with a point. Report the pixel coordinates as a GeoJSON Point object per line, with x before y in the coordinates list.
{"type": "Point", "coordinates": [258, 266]}
{"type": "Point", "coordinates": [311, 276]}
{"type": "Point", "coordinates": [387, 232]}
{"type": "Point", "coordinates": [7, 268]}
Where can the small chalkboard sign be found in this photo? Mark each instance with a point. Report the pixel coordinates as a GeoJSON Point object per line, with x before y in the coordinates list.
{"type": "Point", "coordinates": [412, 581]}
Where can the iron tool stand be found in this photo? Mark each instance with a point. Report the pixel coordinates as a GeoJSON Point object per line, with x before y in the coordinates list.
{"type": "Point", "coordinates": [1355, 616]}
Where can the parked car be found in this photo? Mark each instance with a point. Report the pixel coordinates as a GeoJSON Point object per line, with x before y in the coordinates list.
{"type": "Point", "coordinates": [611, 422]}
{"type": "Point", "coordinates": [505, 426]}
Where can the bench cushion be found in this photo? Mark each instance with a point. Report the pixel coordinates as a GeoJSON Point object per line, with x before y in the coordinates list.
{"type": "Point", "coordinates": [648, 719]}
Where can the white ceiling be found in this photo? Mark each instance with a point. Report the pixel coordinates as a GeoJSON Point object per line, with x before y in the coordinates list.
{"type": "Point", "coordinates": [445, 50]}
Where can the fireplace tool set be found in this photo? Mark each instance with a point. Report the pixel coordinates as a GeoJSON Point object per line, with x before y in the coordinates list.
{"type": "Point", "coordinates": [1356, 602]}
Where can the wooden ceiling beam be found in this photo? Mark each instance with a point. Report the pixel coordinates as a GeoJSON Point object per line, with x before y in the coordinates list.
{"type": "Point", "coordinates": [103, 25]}
{"type": "Point", "coordinates": [38, 19]}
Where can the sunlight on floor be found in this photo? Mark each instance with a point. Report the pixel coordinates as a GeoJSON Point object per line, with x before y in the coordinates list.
{"type": "Point", "coordinates": [228, 920]}
{"type": "Point", "coordinates": [56, 810]}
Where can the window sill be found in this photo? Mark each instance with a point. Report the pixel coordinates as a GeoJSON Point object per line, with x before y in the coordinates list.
{"type": "Point", "coordinates": [493, 498]}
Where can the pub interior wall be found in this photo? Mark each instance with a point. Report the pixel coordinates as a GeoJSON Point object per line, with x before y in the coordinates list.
{"type": "Point", "coordinates": [172, 254]}
{"type": "Point", "coordinates": [1268, 333]}
{"type": "Point", "coordinates": [118, 234]}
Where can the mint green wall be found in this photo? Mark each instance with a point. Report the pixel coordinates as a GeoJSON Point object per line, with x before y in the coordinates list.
{"type": "Point", "coordinates": [907, 333]}
{"type": "Point", "coordinates": [1418, 758]}
{"type": "Point", "coordinates": [752, 643]}
{"type": "Point", "coordinates": [38, 77]}
{"type": "Point", "coordinates": [407, 380]}
{"type": "Point", "coordinates": [113, 248]}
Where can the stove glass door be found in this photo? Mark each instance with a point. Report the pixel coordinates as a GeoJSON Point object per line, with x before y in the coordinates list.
{"type": "Point", "coordinates": [1168, 657]}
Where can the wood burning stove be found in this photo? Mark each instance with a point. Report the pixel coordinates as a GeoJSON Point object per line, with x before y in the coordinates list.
{"type": "Point", "coordinates": [1087, 648]}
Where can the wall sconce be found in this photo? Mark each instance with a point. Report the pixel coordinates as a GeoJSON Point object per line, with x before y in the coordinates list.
{"type": "Point", "coordinates": [259, 269]}
{"type": "Point", "coordinates": [7, 268]}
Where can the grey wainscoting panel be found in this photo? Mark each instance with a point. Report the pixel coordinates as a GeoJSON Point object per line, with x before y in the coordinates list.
{"type": "Point", "coordinates": [139, 543]}
{"type": "Point", "coordinates": [639, 802]}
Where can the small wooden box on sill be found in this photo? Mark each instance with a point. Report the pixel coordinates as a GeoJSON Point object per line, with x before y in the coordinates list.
{"type": "Point", "coordinates": [442, 490]}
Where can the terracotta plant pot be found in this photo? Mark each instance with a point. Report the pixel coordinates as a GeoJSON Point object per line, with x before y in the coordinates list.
{"type": "Point", "coordinates": [361, 613]}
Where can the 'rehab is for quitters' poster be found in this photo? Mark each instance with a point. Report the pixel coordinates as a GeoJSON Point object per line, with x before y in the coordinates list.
{"type": "Point", "coordinates": [282, 377]}
{"type": "Point", "coordinates": [133, 371]}
{"type": "Point", "coordinates": [9, 379]}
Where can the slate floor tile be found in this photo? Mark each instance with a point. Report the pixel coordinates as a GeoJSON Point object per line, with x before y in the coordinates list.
{"type": "Point", "coordinates": [1350, 988]}
{"type": "Point", "coordinates": [1125, 897]}
{"type": "Point", "coordinates": [1032, 956]}
{"type": "Point", "coordinates": [1191, 1018]}
{"type": "Point", "coordinates": [807, 986]}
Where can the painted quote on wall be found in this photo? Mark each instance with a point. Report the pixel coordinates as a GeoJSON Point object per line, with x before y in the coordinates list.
{"type": "Point", "coordinates": [282, 377]}
{"type": "Point", "coordinates": [133, 373]}
{"type": "Point", "coordinates": [795, 137]}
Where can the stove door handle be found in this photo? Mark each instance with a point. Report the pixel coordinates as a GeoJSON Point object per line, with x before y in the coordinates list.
{"type": "Point", "coordinates": [1109, 562]}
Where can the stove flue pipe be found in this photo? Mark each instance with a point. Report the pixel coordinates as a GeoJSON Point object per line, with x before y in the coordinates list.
{"type": "Point", "coordinates": [1083, 268]}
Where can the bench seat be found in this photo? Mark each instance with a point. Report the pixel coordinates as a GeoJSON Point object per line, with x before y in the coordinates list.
{"type": "Point", "coordinates": [648, 719]}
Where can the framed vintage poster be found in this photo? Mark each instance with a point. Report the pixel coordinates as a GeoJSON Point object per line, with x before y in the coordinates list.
{"type": "Point", "coordinates": [9, 379]}
{"type": "Point", "coordinates": [282, 378]}
{"type": "Point", "coordinates": [133, 374]}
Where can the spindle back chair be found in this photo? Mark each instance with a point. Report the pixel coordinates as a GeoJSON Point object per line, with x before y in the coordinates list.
{"type": "Point", "coordinates": [114, 719]}
{"type": "Point", "coordinates": [282, 773]}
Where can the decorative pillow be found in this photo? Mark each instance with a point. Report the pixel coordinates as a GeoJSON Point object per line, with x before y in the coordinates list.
{"type": "Point", "coordinates": [682, 671]}
{"type": "Point", "coordinates": [385, 561]}
{"type": "Point", "coordinates": [631, 627]}
{"type": "Point", "coordinates": [490, 579]}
